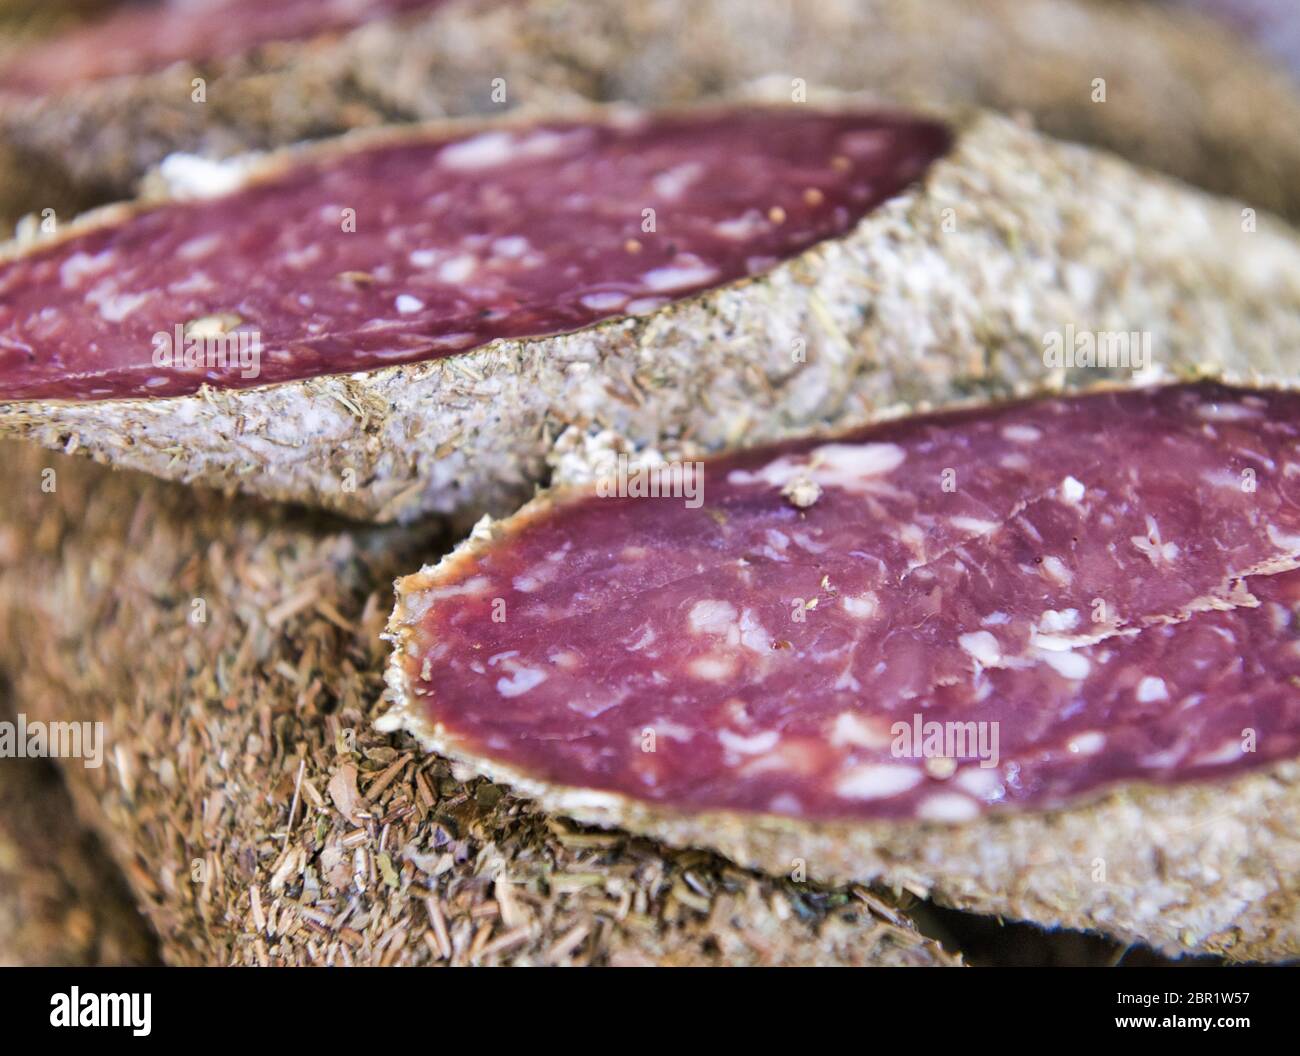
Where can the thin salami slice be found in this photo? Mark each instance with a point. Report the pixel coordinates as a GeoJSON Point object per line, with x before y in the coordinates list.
{"type": "Point", "coordinates": [945, 619]}
{"type": "Point", "coordinates": [206, 741]}
{"type": "Point", "coordinates": [397, 324]}
{"type": "Point", "coordinates": [430, 247]}
{"type": "Point", "coordinates": [145, 36]}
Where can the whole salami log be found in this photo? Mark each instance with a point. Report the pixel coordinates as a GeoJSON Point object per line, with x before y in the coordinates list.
{"type": "Point", "coordinates": [232, 653]}
{"type": "Point", "coordinates": [104, 103]}
{"type": "Point", "coordinates": [400, 324]}
{"type": "Point", "coordinates": [1037, 659]}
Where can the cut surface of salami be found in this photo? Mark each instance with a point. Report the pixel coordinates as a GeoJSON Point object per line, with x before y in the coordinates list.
{"type": "Point", "coordinates": [149, 35]}
{"type": "Point", "coordinates": [1003, 609]}
{"type": "Point", "coordinates": [421, 249]}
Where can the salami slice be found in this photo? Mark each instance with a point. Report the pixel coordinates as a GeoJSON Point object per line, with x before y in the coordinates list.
{"type": "Point", "coordinates": [231, 652]}
{"type": "Point", "coordinates": [418, 314]}
{"type": "Point", "coordinates": [104, 103]}
{"type": "Point", "coordinates": [983, 651]}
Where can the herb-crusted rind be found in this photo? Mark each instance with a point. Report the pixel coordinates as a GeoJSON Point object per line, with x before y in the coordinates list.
{"type": "Point", "coordinates": [62, 902]}
{"type": "Point", "coordinates": [1205, 108]}
{"type": "Point", "coordinates": [946, 291]}
{"type": "Point", "coordinates": [1185, 867]}
{"type": "Point", "coordinates": [258, 816]}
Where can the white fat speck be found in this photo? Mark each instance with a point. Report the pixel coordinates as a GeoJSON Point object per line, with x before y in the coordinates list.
{"type": "Point", "coordinates": [475, 585]}
{"type": "Point", "coordinates": [1053, 620]}
{"type": "Point", "coordinates": [1056, 570]}
{"type": "Point", "coordinates": [1222, 478]}
{"type": "Point", "coordinates": [980, 782]}
{"type": "Point", "coordinates": [1151, 689]}
{"type": "Point", "coordinates": [479, 152]}
{"type": "Point", "coordinates": [861, 606]}
{"type": "Point", "coordinates": [947, 806]}
{"type": "Point", "coordinates": [457, 269]}
{"type": "Point", "coordinates": [712, 668]}
{"type": "Point", "coordinates": [423, 258]}
{"type": "Point", "coordinates": [566, 659]}
{"type": "Point", "coordinates": [113, 305]}
{"type": "Point", "coordinates": [876, 781]}
{"type": "Point", "coordinates": [858, 460]}
{"type": "Point", "coordinates": [80, 265]}
{"type": "Point", "coordinates": [198, 248]}
{"type": "Point", "coordinates": [407, 305]}
{"type": "Point", "coordinates": [973, 525]}
{"type": "Point", "coordinates": [786, 804]}
{"type": "Point", "coordinates": [674, 731]}
{"type": "Point", "coordinates": [995, 619]}
{"type": "Point", "coordinates": [753, 635]}
{"type": "Point", "coordinates": [1089, 743]}
{"type": "Point", "coordinates": [1282, 539]}
{"type": "Point", "coordinates": [189, 176]}
{"type": "Point", "coordinates": [982, 646]}
{"type": "Point", "coordinates": [521, 681]}
{"type": "Point", "coordinates": [512, 247]}
{"type": "Point", "coordinates": [1227, 752]}
{"type": "Point", "coordinates": [1074, 666]}
{"type": "Point", "coordinates": [806, 542]}
{"type": "Point", "coordinates": [497, 658]}
{"type": "Point", "coordinates": [645, 638]}
{"type": "Point", "coordinates": [742, 228]}
{"type": "Point", "coordinates": [1072, 491]}
{"type": "Point", "coordinates": [526, 584]}
{"type": "Point", "coordinates": [1225, 412]}
{"type": "Point", "coordinates": [1022, 434]}
{"type": "Point", "coordinates": [672, 182]}
{"type": "Point", "coordinates": [1155, 550]}
{"type": "Point", "coordinates": [675, 277]}
{"type": "Point", "coordinates": [603, 302]}
{"type": "Point", "coordinates": [777, 540]}
{"type": "Point", "coordinates": [712, 616]}
{"type": "Point", "coordinates": [645, 305]}
{"type": "Point", "coordinates": [756, 744]}
{"type": "Point", "coordinates": [853, 731]}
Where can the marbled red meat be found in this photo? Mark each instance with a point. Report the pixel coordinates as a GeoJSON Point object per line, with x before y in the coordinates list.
{"type": "Point", "coordinates": [150, 35]}
{"type": "Point", "coordinates": [1089, 590]}
{"type": "Point", "coordinates": [537, 230]}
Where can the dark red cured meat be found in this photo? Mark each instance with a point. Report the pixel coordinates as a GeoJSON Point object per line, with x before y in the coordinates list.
{"type": "Point", "coordinates": [149, 35]}
{"type": "Point", "coordinates": [502, 234]}
{"type": "Point", "coordinates": [1177, 509]}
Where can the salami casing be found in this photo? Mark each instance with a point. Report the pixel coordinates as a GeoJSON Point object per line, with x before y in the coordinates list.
{"type": "Point", "coordinates": [104, 103]}
{"type": "Point", "coordinates": [400, 324]}
{"type": "Point", "coordinates": [1038, 658]}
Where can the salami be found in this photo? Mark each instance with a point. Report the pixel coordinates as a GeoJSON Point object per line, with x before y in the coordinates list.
{"type": "Point", "coordinates": [400, 324]}
{"type": "Point", "coordinates": [1066, 616]}
{"type": "Point", "coordinates": [231, 651]}
{"type": "Point", "coordinates": [102, 104]}
{"type": "Point", "coordinates": [1274, 25]}
{"type": "Point", "coordinates": [62, 901]}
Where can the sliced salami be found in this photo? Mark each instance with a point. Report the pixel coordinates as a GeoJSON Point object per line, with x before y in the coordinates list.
{"type": "Point", "coordinates": [102, 104]}
{"type": "Point", "coordinates": [418, 250]}
{"type": "Point", "coordinates": [400, 324]}
{"type": "Point", "coordinates": [230, 653]}
{"type": "Point", "coordinates": [936, 628]}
